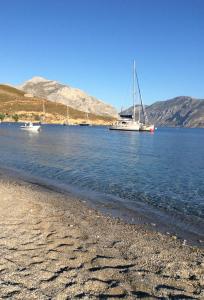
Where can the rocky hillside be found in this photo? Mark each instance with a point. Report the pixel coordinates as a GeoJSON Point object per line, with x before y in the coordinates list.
{"type": "Point", "coordinates": [60, 93]}
{"type": "Point", "coordinates": [16, 105]}
{"type": "Point", "coordinates": [180, 111]}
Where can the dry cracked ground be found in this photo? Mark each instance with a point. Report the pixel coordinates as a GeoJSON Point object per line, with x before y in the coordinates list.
{"type": "Point", "coordinates": [55, 247]}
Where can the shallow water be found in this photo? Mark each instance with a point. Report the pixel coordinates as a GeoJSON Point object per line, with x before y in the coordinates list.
{"type": "Point", "coordinates": [164, 170]}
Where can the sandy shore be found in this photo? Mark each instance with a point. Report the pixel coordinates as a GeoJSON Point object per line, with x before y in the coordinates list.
{"type": "Point", "coordinates": [55, 247]}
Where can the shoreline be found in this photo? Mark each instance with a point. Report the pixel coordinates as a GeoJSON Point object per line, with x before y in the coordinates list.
{"type": "Point", "coordinates": [151, 218]}
{"type": "Point", "coordinates": [75, 122]}
{"type": "Point", "coordinates": [55, 246]}
{"type": "Point", "coordinates": [72, 122]}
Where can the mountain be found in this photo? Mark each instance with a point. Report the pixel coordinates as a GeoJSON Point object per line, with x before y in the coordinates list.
{"type": "Point", "coordinates": [14, 102]}
{"type": "Point", "coordinates": [60, 93]}
{"type": "Point", "coordinates": [180, 111]}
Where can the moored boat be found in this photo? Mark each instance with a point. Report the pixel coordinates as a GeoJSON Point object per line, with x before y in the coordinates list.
{"type": "Point", "coordinates": [129, 123]}
{"type": "Point", "coordinates": [86, 123]}
{"type": "Point", "coordinates": [31, 127]}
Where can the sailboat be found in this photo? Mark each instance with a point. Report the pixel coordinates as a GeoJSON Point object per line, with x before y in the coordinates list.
{"type": "Point", "coordinates": [43, 110]}
{"type": "Point", "coordinates": [87, 121]}
{"type": "Point", "coordinates": [67, 121]}
{"type": "Point", "coordinates": [129, 122]}
{"type": "Point", "coordinates": [42, 117]}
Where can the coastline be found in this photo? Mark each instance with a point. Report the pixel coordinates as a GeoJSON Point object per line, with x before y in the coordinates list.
{"type": "Point", "coordinates": [151, 218]}
{"type": "Point", "coordinates": [55, 246]}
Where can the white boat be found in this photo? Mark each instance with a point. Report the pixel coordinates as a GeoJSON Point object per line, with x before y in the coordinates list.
{"type": "Point", "coordinates": [30, 127]}
{"type": "Point", "coordinates": [129, 123]}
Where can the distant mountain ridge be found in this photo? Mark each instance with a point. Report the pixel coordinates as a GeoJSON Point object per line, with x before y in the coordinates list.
{"type": "Point", "coordinates": [73, 97]}
{"type": "Point", "coordinates": [180, 111]}
{"type": "Point", "coordinates": [23, 106]}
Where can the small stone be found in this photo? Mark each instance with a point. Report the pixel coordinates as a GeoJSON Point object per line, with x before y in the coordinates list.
{"type": "Point", "coordinates": [184, 243]}
{"type": "Point", "coordinates": [174, 237]}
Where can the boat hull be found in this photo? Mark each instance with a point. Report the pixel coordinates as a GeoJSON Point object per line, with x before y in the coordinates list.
{"type": "Point", "coordinates": [135, 127]}
{"type": "Point", "coordinates": [33, 129]}
{"type": "Point", "coordinates": [123, 128]}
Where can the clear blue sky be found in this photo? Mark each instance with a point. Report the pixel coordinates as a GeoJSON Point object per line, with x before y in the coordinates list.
{"type": "Point", "coordinates": [91, 44]}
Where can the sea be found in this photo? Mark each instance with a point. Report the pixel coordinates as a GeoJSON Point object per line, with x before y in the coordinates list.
{"type": "Point", "coordinates": [155, 179]}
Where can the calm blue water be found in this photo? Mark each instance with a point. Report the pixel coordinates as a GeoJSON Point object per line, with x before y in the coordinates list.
{"type": "Point", "coordinates": [164, 170]}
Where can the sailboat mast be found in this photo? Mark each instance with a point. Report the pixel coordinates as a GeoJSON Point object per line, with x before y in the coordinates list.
{"type": "Point", "coordinates": [67, 114]}
{"type": "Point", "coordinates": [143, 108]}
{"type": "Point", "coordinates": [43, 119]}
{"type": "Point", "coordinates": [134, 90]}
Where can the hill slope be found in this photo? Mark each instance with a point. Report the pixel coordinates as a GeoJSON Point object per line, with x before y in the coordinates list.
{"type": "Point", "coordinates": [180, 111]}
{"type": "Point", "coordinates": [75, 98]}
{"type": "Point", "coordinates": [14, 101]}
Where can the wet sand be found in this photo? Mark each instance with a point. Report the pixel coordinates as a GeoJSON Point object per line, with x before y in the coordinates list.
{"type": "Point", "coordinates": [53, 246]}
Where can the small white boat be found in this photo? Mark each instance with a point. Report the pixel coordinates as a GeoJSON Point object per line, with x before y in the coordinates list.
{"type": "Point", "coordinates": [30, 127]}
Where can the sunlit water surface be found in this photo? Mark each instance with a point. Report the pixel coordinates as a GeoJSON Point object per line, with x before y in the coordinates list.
{"type": "Point", "coordinates": [164, 170]}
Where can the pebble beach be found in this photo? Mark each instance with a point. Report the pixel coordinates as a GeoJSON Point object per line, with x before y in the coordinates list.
{"type": "Point", "coordinates": [56, 247]}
